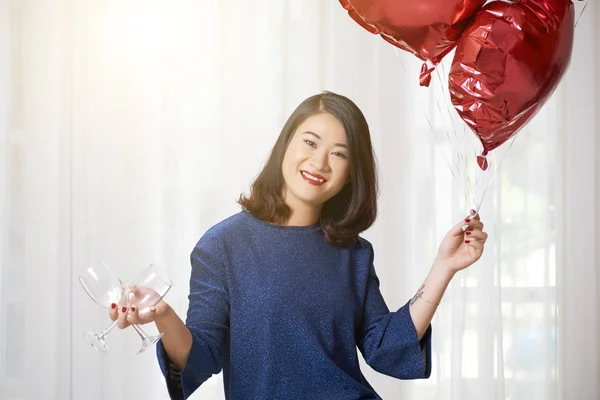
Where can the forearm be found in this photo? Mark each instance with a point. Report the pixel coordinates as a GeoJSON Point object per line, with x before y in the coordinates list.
{"type": "Point", "coordinates": [177, 338]}
{"type": "Point", "coordinates": [424, 304]}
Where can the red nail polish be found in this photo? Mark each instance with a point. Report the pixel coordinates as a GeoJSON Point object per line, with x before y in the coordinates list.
{"type": "Point", "coordinates": [467, 241]}
{"type": "Point", "coordinates": [467, 233]}
{"type": "Point", "coordinates": [113, 305]}
{"type": "Point", "coordinates": [467, 220]}
{"type": "Point", "coordinates": [132, 308]}
{"type": "Point", "coordinates": [124, 309]}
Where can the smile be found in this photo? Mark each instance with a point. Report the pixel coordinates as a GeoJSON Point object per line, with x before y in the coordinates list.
{"type": "Point", "coordinates": [313, 179]}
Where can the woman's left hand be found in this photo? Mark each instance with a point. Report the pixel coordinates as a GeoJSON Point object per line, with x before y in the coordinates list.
{"type": "Point", "coordinates": [462, 245]}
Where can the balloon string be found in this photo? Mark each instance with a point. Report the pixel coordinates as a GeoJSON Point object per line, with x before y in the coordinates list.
{"type": "Point", "coordinates": [581, 13]}
{"type": "Point", "coordinates": [398, 54]}
{"type": "Point", "coordinates": [429, 122]}
{"type": "Point", "coordinates": [453, 116]}
{"type": "Point", "coordinates": [441, 88]}
{"type": "Point", "coordinates": [447, 134]}
{"type": "Point", "coordinates": [462, 162]}
{"type": "Point", "coordinates": [452, 141]}
{"type": "Point", "coordinates": [445, 157]}
{"type": "Point", "coordinates": [495, 173]}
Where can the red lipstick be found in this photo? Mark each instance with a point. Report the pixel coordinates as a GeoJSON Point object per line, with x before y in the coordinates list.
{"type": "Point", "coordinates": [313, 179]}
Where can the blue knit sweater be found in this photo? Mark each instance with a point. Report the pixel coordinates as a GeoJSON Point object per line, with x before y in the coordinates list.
{"type": "Point", "coordinates": [282, 313]}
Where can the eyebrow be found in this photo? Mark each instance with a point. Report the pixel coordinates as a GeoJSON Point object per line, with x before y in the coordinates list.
{"type": "Point", "coordinates": [319, 137]}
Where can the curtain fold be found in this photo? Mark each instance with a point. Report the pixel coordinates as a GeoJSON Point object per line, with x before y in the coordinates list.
{"type": "Point", "coordinates": [579, 219]}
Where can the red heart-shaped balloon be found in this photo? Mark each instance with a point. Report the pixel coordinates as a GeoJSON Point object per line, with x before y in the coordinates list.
{"type": "Point", "coordinates": [508, 63]}
{"type": "Point", "coordinates": [429, 29]}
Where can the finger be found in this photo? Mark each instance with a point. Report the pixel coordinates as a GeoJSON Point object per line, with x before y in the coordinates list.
{"type": "Point", "coordinates": [461, 226]}
{"type": "Point", "coordinates": [123, 289]}
{"type": "Point", "coordinates": [127, 292]}
{"type": "Point", "coordinates": [475, 244]}
{"type": "Point", "coordinates": [473, 214]}
{"type": "Point", "coordinates": [122, 319]}
{"type": "Point", "coordinates": [467, 224]}
{"type": "Point", "coordinates": [476, 235]}
{"type": "Point", "coordinates": [473, 224]}
{"type": "Point", "coordinates": [133, 317]}
{"type": "Point", "coordinates": [134, 290]}
{"type": "Point", "coordinates": [112, 311]}
{"type": "Point", "coordinates": [152, 313]}
{"type": "Point", "coordinates": [147, 316]}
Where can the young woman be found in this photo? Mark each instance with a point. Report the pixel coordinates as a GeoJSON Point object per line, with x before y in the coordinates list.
{"type": "Point", "coordinates": [284, 292]}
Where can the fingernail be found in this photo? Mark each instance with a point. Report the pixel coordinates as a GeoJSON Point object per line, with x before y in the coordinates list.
{"type": "Point", "coordinates": [467, 233]}
{"type": "Point", "coordinates": [133, 308]}
{"type": "Point", "coordinates": [467, 241]}
{"type": "Point", "coordinates": [124, 309]}
{"type": "Point", "coordinates": [467, 220]}
{"type": "Point", "coordinates": [113, 305]}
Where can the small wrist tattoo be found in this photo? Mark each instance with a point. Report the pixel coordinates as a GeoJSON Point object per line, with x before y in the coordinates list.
{"type": "Point", "coordinates": [419, 295]}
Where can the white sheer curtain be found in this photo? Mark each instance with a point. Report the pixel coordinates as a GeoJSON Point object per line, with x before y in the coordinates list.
{"type": "Point", "coordinates": [127, 128]}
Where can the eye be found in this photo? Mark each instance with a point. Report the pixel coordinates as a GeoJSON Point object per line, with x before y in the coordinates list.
{"type": "Point", "coordinates": [311, 144]}
{"type": "Point", "coordinates": [341, 155]}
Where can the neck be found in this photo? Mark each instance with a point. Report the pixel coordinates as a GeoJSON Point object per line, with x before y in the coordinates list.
{"type": "Point", "coordinates": [302, 214]}
{"type": "Point", "coordinates": [303, 217]}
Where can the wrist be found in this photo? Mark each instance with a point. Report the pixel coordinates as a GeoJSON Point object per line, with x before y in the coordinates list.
{"type": "Point", "coordinates": [443, 269]}
{"type": "Point", "coordinates": [166, 313]}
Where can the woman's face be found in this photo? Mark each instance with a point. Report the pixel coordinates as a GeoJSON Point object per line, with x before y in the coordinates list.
{"type": "Point", "coordinates": [315, 164]}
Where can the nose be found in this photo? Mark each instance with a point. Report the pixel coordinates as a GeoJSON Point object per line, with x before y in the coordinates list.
{"type": "Point", "coordinates": [319, 160]}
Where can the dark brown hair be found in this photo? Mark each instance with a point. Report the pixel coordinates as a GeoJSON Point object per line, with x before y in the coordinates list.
{"type": "Point", "coordinates": [354, 208]}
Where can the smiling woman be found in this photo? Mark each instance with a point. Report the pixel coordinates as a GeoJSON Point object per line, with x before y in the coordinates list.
{"type": "Point", "coordinates": [325, 143]}
{"type": "Point", "coordinates": [283, 293]}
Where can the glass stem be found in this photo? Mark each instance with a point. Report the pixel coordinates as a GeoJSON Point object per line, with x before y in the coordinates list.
{"type": "Point", "coordinates": [108, 329]}
{"type": "Point", "coordinates": [140, 331]}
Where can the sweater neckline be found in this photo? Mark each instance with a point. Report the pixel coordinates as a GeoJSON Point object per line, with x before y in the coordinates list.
{"type": "Point", "coordinates": [312, 227]}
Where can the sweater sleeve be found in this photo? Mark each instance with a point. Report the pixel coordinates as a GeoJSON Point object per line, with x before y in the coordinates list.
{"type": "Point", "coordinates": [388, 340]}
{"type": "Point", "coordinates": [207, 320]}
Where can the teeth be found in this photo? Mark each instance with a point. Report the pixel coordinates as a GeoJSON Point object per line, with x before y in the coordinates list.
{"type": "Point", "coordinates": [312, 178]}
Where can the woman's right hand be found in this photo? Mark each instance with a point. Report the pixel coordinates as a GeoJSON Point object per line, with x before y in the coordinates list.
{"type": "Point", "coordinates": [126, 316]}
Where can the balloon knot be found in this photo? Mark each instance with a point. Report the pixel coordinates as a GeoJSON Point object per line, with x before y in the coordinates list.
{"type": "Point", "coordinates": [482, 160]}
{"type": "Point", "coordinates": [425, 76]}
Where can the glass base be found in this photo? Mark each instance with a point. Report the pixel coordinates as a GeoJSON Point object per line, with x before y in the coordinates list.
{"type": "Point", "coordinates": [149, 341]}
{"type": "Point", "coordinates": [96, 342]}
